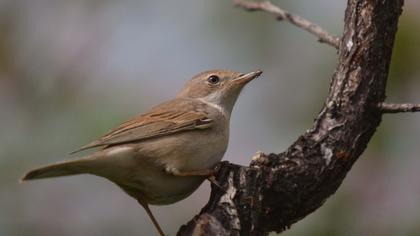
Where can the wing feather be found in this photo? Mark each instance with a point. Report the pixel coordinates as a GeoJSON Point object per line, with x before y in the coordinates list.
{"type": "Point", "coordinates": [151, 125]}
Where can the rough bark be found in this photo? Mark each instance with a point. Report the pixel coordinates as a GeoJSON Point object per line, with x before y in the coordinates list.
{"type": "Point", "coordinates": [277, 190]}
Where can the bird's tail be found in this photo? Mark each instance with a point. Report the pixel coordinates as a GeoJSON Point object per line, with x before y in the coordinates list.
{"type": "Point", "coordinates": [71, 167]}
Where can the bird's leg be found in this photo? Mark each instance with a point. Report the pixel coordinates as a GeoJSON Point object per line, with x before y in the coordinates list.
{"type": "Point", "coordinates": [204, 173]}
{"type": "Point", "coordinates": [208, 173]}
{"type": "Point", "coordinates": [144, 204]}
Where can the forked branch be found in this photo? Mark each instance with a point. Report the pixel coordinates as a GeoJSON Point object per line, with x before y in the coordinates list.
{"type": "Point", "coordinates": [277, 190]}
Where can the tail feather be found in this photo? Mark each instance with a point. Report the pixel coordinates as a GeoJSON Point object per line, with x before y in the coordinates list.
{"type": "Point", "coordinates": [54, 170]}
{"type": "Point", "coordinates": [65, 168]}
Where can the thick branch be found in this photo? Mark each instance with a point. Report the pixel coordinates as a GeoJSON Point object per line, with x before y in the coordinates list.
{"type": "Point", "coordinates": [280, 14]}
{"type": "Point", "coordinates": [277, 190]}
{"type": "Point", "coordinates": [398, 108]}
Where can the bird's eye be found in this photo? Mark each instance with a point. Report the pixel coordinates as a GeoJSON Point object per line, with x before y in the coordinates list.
{"type": "Point", "coordinates": [213, 79]}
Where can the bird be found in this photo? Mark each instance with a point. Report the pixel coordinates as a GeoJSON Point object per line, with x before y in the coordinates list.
{"type": "Point", "coordinates": [162, 156]}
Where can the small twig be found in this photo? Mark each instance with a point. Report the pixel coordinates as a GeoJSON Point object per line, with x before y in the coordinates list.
{"type": "Point", "coordinates": [280, 14]}
{"type": "Point", "coordinates": [398, 107]}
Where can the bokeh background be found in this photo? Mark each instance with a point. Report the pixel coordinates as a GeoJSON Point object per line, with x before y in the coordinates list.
{"type": "Point", "coordinates": [71, 70]}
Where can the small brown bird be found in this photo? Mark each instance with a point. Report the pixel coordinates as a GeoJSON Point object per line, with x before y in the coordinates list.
{"type": "Point", "coordinates": [162, 156]}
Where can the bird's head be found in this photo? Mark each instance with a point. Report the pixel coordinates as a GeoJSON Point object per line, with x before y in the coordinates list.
{"type": "Point", "coordinates": [219, 87]}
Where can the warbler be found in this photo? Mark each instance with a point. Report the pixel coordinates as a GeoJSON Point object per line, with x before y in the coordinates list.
{"type": "Point", "coordinates": [162, 156]}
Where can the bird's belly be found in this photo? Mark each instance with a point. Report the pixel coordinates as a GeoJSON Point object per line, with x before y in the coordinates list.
{"type": "Point", "coordinates": [161, 188]}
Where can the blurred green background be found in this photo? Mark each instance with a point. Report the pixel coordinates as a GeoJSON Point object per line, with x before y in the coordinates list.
{"type": "Point", "coordinates": [71, 70]}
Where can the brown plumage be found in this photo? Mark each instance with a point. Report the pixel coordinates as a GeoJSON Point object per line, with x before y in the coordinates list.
{"type": "Point", "coordinates": [168, 118]}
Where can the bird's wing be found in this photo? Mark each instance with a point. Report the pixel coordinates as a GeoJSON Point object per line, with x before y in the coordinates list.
{"type": "Point", "coordinates": [151, 125]}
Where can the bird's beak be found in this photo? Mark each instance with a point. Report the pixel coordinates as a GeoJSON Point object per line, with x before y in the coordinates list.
{"type": "Point", "coordinates": [245, 78]}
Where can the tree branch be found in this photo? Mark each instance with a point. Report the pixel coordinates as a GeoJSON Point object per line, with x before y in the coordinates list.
{"type": "Point", "coordinates": [277, 190]}
{"type": "Point", "coordinates": [398, 108]}
{"type": "Point", "coordinates": [280, 14]}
